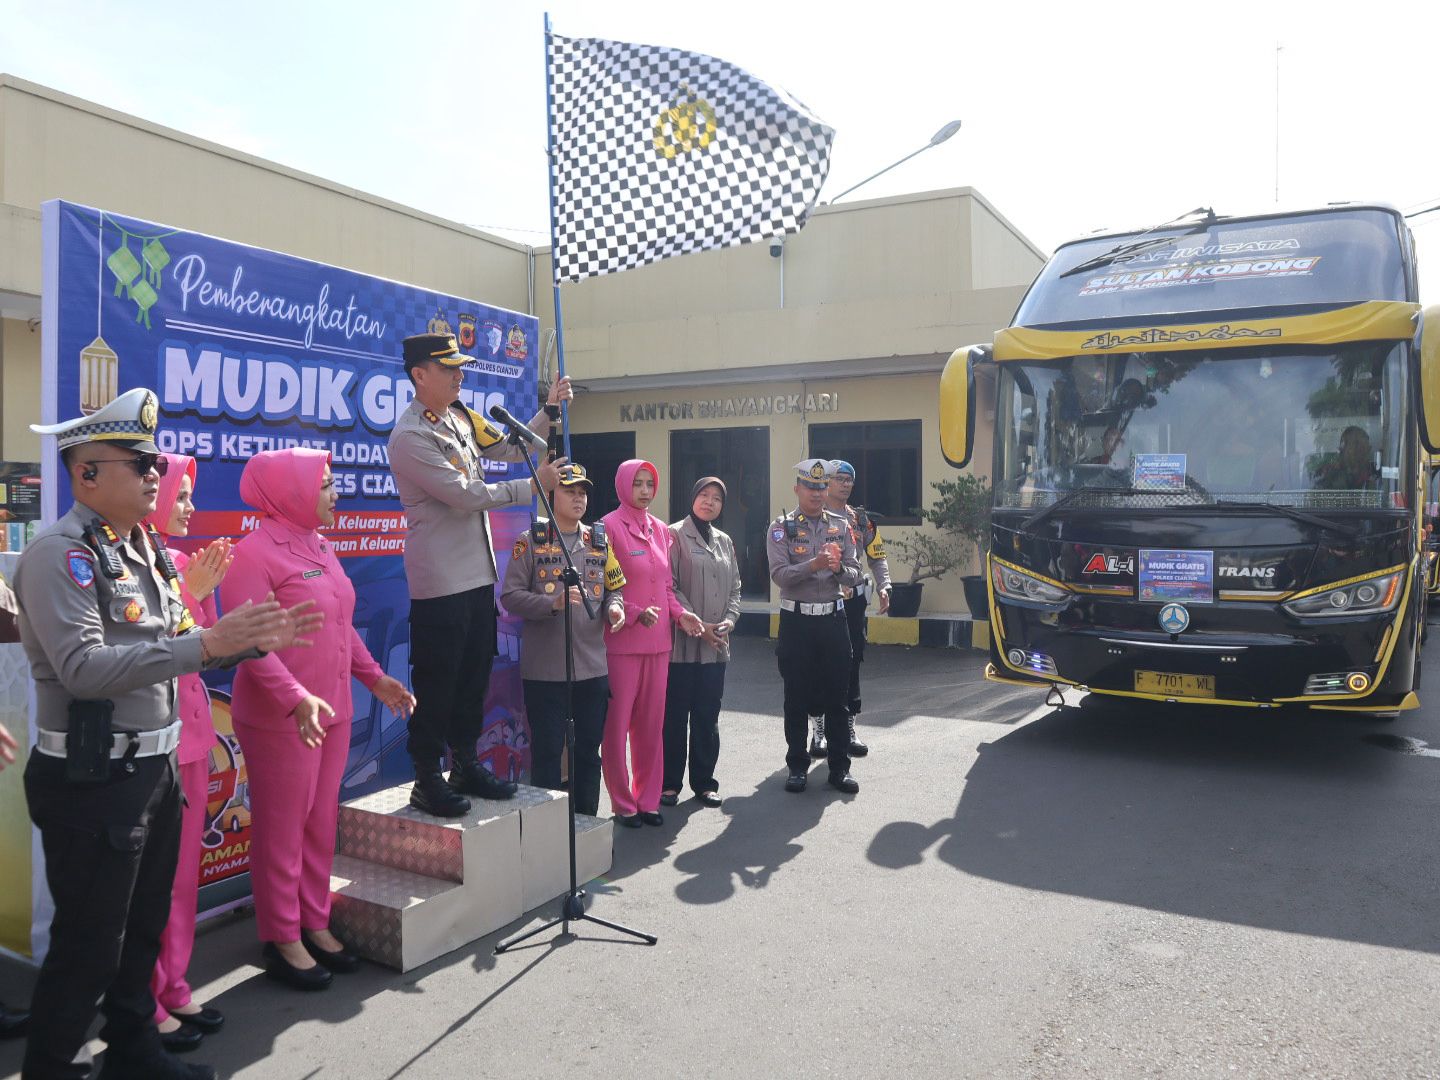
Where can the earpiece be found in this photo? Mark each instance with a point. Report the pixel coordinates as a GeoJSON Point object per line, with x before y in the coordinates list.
{"type": "Point", "coordinates": [90, 473]}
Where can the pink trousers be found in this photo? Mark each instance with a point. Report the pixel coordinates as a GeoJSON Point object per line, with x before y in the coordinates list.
{"type": "Point", "coordinates": [294, 802]}
{"type": "Point", "coordinates": [636, 713]}
{"type": "Point", "coordinates": [168, 984]}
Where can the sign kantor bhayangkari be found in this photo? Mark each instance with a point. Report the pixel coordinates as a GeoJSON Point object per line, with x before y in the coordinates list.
{"type": "Point", "coordinates": [719, 408]}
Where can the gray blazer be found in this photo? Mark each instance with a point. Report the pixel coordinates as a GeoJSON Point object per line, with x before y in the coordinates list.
{"type": "Point", "coordinates": [707, 582]}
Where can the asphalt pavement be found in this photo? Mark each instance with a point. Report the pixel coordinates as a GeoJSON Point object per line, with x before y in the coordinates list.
{"type": "Point", "coordinates": [1110, 889]}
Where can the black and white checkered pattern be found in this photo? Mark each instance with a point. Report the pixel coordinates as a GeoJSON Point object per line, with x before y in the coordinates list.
{"type": "Point", "coordinates": [621, 202]}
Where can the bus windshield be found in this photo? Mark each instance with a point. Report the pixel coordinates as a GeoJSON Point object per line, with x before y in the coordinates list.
{"type": "Point", "coordinates": [1305, 427]}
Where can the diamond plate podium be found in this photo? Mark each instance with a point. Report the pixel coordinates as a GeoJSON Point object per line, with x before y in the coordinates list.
{"type": "Point", "coordinates": [408, 887]}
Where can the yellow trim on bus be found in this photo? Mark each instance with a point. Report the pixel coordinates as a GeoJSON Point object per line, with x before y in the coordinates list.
{"type": "Point", "coordinates": [1348, 581]}
{"type": "Point", "coordinates": [1373, 320]}
{"type": "Point", "coordinates": [1389, 650]}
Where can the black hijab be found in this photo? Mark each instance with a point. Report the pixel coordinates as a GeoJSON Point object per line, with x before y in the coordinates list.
{"type": "Point", "coordinates": [701, 526]}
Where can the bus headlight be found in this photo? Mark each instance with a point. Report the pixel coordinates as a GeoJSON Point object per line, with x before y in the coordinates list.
{"type": "Point", "coordinates": [1015, 584]}
{"type": "Point", "coordinates": [1363, 598]}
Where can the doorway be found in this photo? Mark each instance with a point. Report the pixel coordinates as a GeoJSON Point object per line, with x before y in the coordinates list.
{"type": "Point", "coordinates": [740, 457]}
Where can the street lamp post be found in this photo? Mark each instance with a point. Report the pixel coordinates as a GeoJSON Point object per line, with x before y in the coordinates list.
{"type": "Point", "coordinates": [935, 140]}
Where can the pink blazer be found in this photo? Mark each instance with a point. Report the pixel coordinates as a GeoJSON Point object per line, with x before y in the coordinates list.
{"type": "Point", "coordinates": [197, 729]}
{"type": "Point", "coordinates": [281, 558]}
{"type": "Point", "coordinates": [648, 583]}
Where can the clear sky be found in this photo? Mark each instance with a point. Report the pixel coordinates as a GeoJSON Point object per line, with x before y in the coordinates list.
{"type": "Point", "coordinates": [1076, 117]}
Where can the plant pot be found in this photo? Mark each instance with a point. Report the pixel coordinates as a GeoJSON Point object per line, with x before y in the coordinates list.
{"type": "Point", "coordinates": [905, 599]}
{"type": "Point", "coordinates": [977, 597]}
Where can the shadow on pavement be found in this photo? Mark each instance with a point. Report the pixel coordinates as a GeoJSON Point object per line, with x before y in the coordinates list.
{"type": "Point", "coordinates": [758, 839]}
{"type": "Point", "coordinates": [1283, 821]}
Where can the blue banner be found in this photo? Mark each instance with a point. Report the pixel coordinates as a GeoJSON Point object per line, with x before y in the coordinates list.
{"type": "Point", "coordinates": [252, 350]}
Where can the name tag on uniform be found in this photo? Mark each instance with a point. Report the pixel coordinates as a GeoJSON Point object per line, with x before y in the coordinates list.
{"type": "Point", "coordinates": [636, 554]}
{"type": "Point", "coordinates": [312, 573]}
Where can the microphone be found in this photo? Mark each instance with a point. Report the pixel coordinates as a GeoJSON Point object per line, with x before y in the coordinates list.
{"type": "Point", "coordinates": [500, 413]}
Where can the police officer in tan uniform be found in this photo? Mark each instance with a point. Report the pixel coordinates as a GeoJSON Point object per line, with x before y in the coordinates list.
{"type": "Point", "coordinates": [534, 590]}
{"type": "Point", "coordinates": [867, 536]}
{"type": "Point", "coordinates": [436, 451]}
{"type": "Point", "coordinates": [814, 560]}
{"type": "Point", "coordinates": [106, 634]}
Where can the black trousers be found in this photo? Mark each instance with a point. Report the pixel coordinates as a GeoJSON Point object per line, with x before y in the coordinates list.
{"type": "Point", "coordinates": [855, 609]}
{"type": "Point", "coordinates": [452, 647]}
{"type": "Point", "coordinates": [692, 716]}
{"type": "Point", "coordinates": [545, 707]}
{"type": "Point", "coordinates": [814, 656]}
{"type": "Point", "coordinates": [110, 853]}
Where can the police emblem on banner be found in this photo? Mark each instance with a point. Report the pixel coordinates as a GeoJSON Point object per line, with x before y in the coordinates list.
{"type": "Point", "coordinates": [494, 335]}
{"type": "Point", "coordinates": [516, 348]}
{"type": "Point", "coordinates": [467, 331]}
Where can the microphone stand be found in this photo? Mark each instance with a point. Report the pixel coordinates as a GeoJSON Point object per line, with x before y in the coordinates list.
{"type": "Point", "coordinates": [572, 906]}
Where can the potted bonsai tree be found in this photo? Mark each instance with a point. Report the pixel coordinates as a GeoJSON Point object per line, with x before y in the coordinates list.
{"type": "Point", "coordinates": [960, 516]}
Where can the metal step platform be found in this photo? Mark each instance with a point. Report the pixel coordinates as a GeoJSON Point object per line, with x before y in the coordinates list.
{"type": "Point", "coordinates": [408, 887]}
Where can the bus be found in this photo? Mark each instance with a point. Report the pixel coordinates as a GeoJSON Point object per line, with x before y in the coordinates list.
{"type": "Point", "coordinates": [1211, 451]}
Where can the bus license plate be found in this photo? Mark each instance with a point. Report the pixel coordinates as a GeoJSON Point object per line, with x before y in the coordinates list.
{"type": "Point", "coordinates": [1172, 685]}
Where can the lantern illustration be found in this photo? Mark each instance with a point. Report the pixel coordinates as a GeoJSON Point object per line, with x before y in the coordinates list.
{"type": "Point", "coordinates": [99, 376]}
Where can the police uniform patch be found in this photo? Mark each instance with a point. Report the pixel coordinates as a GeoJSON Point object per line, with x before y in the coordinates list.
{"type": "Point", "coordinates": [801, 549]}
{"type": "Point", "coordinates": [550, 586]}
{"type": "Point", "coordinates": [81, 567]}
{"type": "Point", "coordinates": [542, 573]}
{"type": "Point", "coordinates": [519, 548]}
{"type": "Point", "coordinates": [596, 589]}
{"type": "Point", "coordinates": [430, 416]}
{"type": "Point", "coordinates": [133, 611]}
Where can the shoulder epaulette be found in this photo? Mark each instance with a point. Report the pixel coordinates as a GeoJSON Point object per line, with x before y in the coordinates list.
{"type": "Point", "coordinates": [110, 564]}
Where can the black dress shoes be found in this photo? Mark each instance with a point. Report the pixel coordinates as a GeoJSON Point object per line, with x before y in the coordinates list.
{"type": "Point", "coordinates": [208, 1020]}
{"type": "Point", "coordinates": [472, 778]}
{"type": "Point", "coordinates": [432, 795]}
{"type": "Point", "coordinates": [844, 782]}
{"type": "Point", "coordinates": [144, 1057]}
{"type": "Point", "coordinates": [629, 821]}
{"type": "Point", "coordinates": [652, 817]}
{"type": "Point", "coordinates": [281, 970]}
{"type": "Point", "coordinates": [14, 1023]}
{"type": "Point", "coordinates": [182, 1040]}
{"type": "Point", "coordinates": [795, 782]}
{"type": "Point", "coordinates": [343, 962]}
{"type": "Point", "coordinates": [669, 798]}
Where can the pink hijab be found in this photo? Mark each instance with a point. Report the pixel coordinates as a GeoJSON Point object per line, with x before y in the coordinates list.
{"type": "Point", "coordinates": [285, 485]}
{"type": "Point", "coordinates": [180, 467]}
{"type": "Point", "coordinates": [627, 511]}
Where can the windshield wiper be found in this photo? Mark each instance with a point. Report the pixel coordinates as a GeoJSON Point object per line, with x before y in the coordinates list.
{"type": "Point", "coordinates": [1297, 515]}
{"type": "Point", "coordinates": [1070, 496]}
{"type": "Point", "coordinates": [1141, 244]}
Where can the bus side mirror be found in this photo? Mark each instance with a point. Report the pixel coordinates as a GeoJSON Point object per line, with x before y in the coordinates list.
{"type": "Point", "coordinates": [1429, 341]}
{"type": "Point", "coordinates": [957, 403]}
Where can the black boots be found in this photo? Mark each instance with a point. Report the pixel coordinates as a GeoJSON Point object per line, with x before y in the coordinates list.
{"type": "Point", "coordinates": [432, 795]}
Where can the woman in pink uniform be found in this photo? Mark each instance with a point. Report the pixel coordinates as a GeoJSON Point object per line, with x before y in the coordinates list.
{"type": "Point", "coordinates": [638, 654]}
{"type": "Point", "coordinates": [181, 1021]}
{"type": "Point", "coordinates": [292, 713]}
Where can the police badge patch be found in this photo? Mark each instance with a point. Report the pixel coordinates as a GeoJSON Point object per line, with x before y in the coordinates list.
{"type": "Point", "coordinates": [777, 534]}
{"type": "Point", "coordinates": [82, 568]}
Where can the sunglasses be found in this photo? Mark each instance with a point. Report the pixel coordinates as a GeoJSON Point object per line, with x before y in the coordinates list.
{"type": "Point", "coordinates": [142, 464]}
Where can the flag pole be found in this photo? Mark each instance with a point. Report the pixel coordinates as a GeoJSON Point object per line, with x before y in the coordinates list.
{"type": "Point", "coordinates": [554, 281]}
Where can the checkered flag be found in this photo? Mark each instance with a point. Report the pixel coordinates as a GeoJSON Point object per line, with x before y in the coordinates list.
{"type": "Point", "coordinates": [660, 152]}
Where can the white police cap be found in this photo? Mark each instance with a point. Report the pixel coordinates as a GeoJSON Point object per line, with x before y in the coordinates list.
{"type": "Point", "coordinates": [813, 473]}
{"type": "Point", "coordinates": [128, 421]}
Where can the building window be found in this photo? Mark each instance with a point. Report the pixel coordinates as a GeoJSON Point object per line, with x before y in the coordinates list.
{"type": "Point", "coordinates": [886, 455]}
